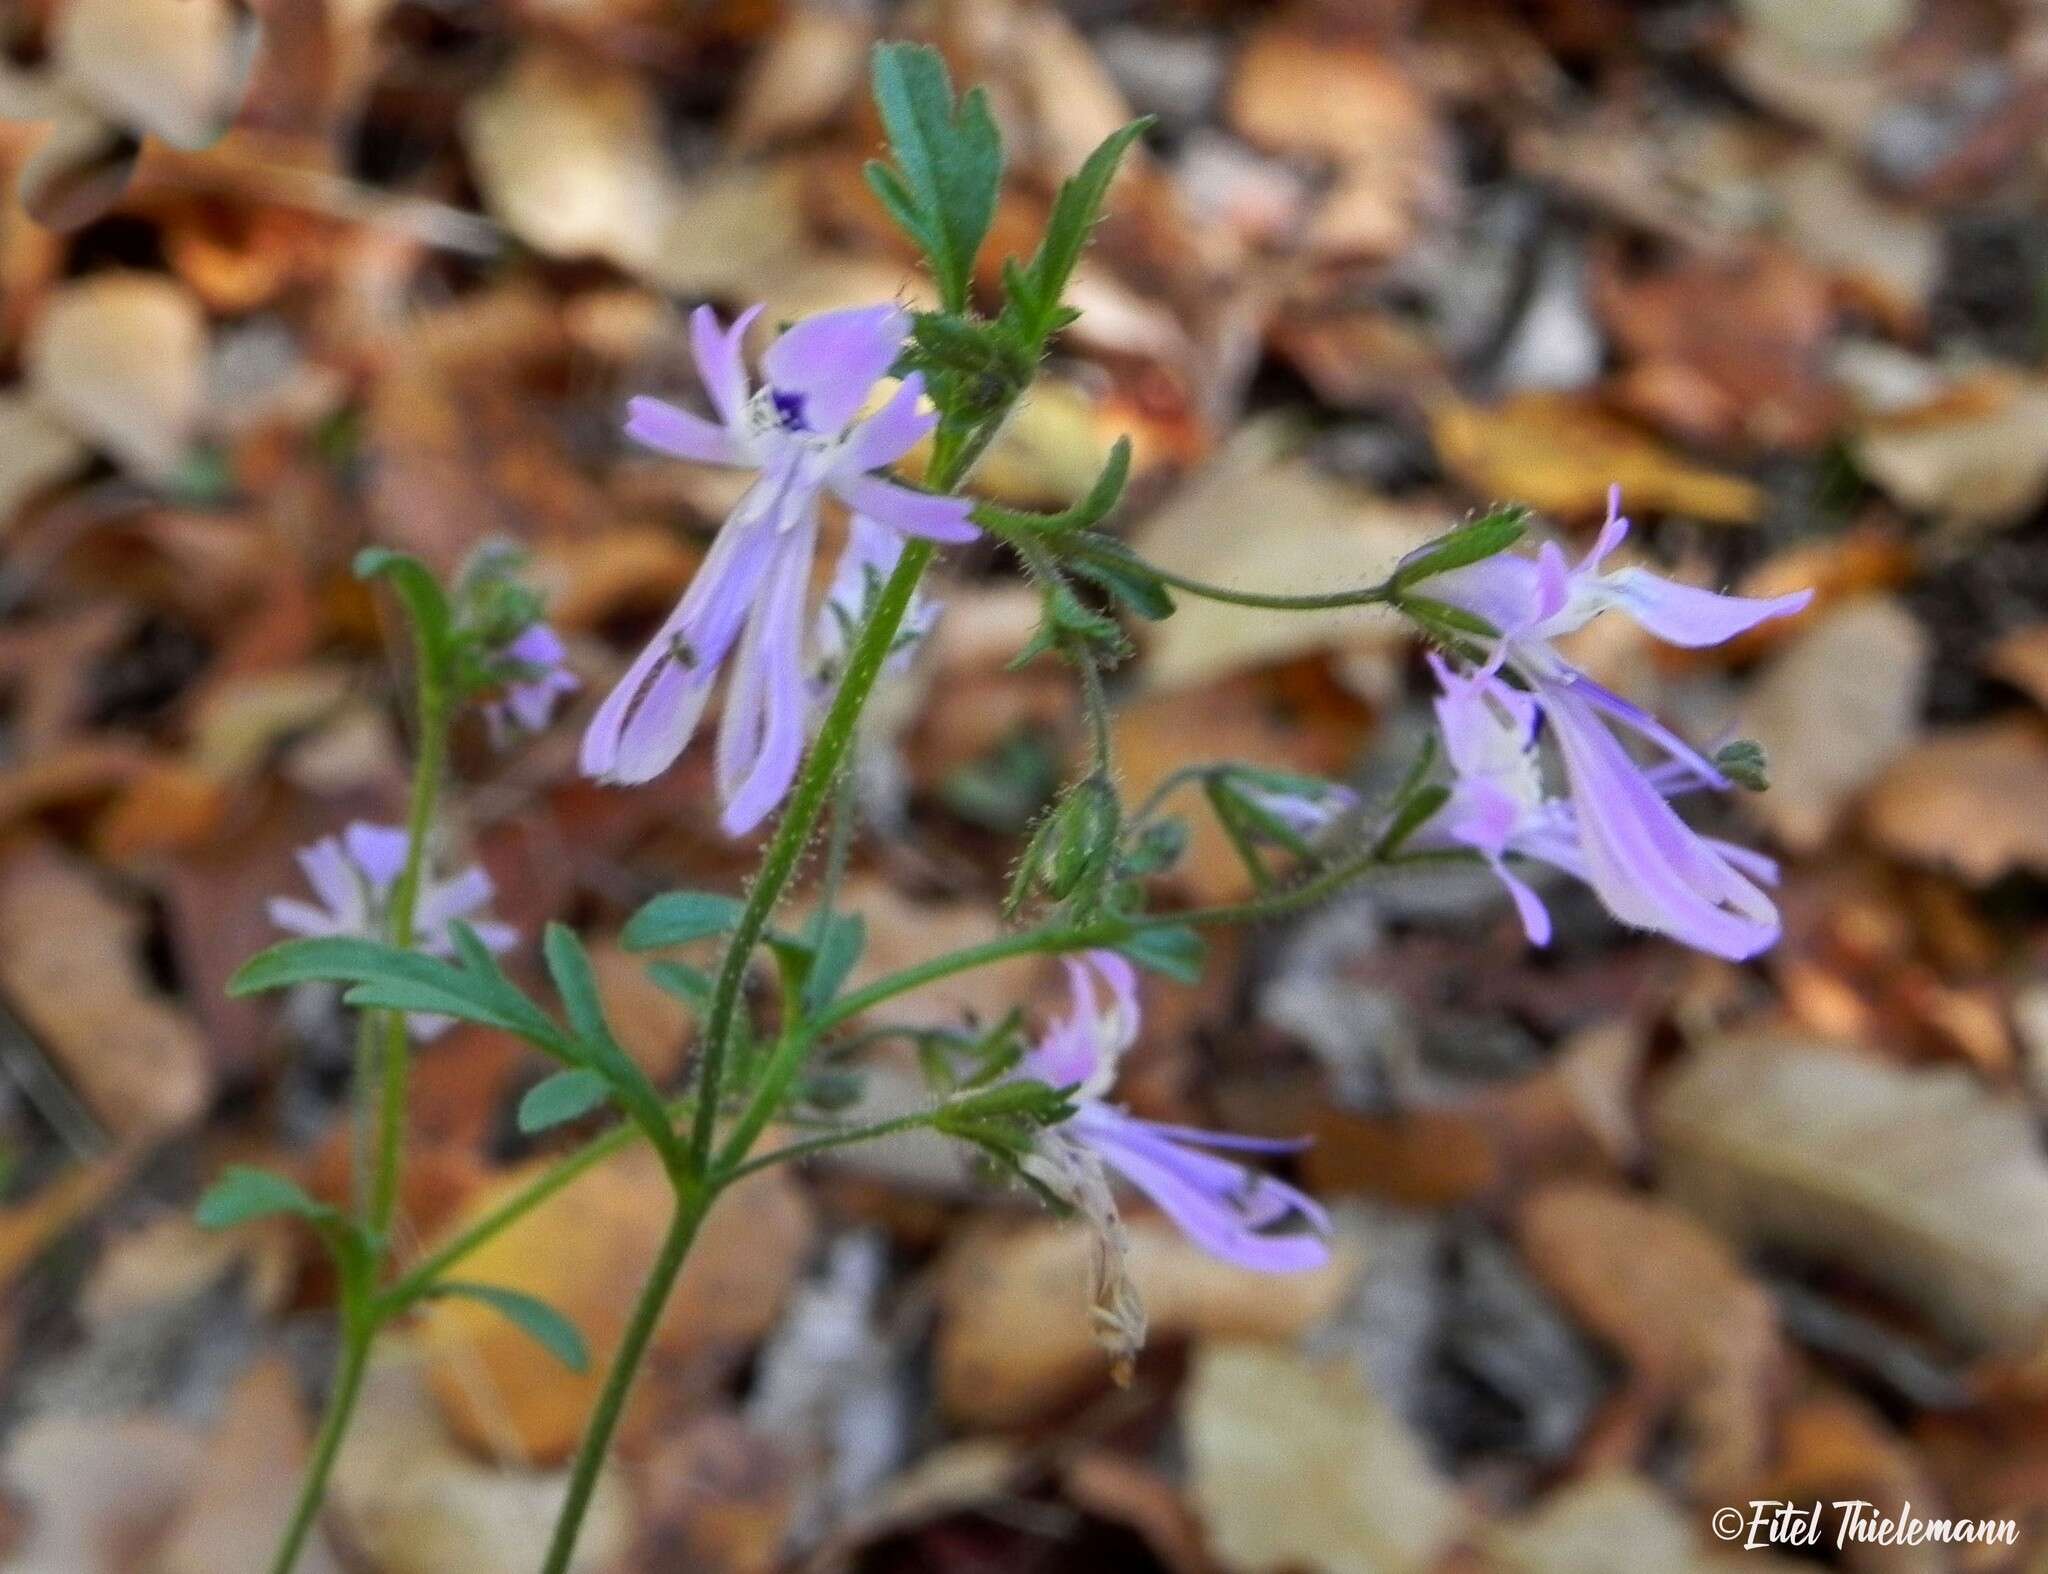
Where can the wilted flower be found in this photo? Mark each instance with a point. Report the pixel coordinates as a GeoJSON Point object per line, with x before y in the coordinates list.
{"type": "Point", "coordinates": [1615, 829]}
{"type": "Point", "coordinates": [353, 875]}
{"type": "Point", "coordinates": [1233, 1213]}
{"type": "Point", "coordinates": [537, 676]}
{"type": "Point", "coordinates": [801, 433]}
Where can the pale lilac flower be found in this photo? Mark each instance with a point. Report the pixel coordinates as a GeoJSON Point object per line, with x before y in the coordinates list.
{"type": "Point", "coordinates": [1233, 1213]}
{"type": "Point", "coordinates": [353, 875]}
{"type": "Point", "coordinates": [800, 432]}
{"type": "Point", "coordinates": [1615, 832]}
{"type": "Point", "coordinates": [539, 677]}
{"type": "Point", "coordinates": [1615, 829]}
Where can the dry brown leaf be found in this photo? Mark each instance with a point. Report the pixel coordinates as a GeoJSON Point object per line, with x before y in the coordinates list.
{"type": "Point", "coordinates": [801, 78]}
{"type": "Point", "coordinates": [902, 932]}
{"type": "Point", "coordinates": [1559, 453]}
{"type": "Point", "coordinates": [1015, 1336]}
{"type": "Point", "coordinates": [172, 68]}
{"type": "Point", "coordinates": [1258, 519]}
{"type": "Point", "coordinates": [568, 153]}
{"type": "Point", "coordinates": [1296, 1465]}
{"type": "Point", "coordinates": [27, 1227]}
{"type": "Point", "coordinates": [727, 229]}
{"type": "Point", "coordinates": [70, 963]}
{"type": "Point", "coordinates": [652, 1025]}
{"type": "Point", "coordinates": [1973, 799]}
{"type": "Point", "coordinates": [1920, 1181]}
{"type": "Point", "coordinates": [1721, 348]}
{"type": "Point", "coordinates": [121, 358]}
{"type": "Point", "coordinates": [1615, 1523]}
{"type": "Point", "coordinates": [1974, 456]}
{"type": "Point", "coordinates": [1832, 710]}
{"type": "Point", "coordinates": [1885, 253]}
{"type": "Point", "coordinates": [1836, 33]}
{"type": "Point", "coordinates": [247, 1484]}
{"type": "Point", "coordinates": [98, 1492]}
{"type": "Point", "coordinates": [36, 453]}
{"type": "Point", "coordinates": [413, 1502]}
{"type": "Point", "coordinates": [1356, 106]}
{"type": "Point", "coordinates": [585, 1251]}
{"type": "Point", "coordinates": [1696, 1331]}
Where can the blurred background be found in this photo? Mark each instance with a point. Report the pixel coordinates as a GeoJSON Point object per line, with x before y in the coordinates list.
{"type": "Point", "coordinates": [1626, 1234]}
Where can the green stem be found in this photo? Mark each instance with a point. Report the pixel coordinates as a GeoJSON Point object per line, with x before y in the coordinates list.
{"type": "Point", "coordinates": [793, 832]}
{"type": "Point", "coordinates": [341, 1404]}
{"type": "Point", "coordinates": [1366, 596]}
{"type": "Point", "coordinates": [830, 1140]}
{"type": "Point", "coordinates": [405, 898]}
{"type": "Point", "coordinates": [691, 1204]}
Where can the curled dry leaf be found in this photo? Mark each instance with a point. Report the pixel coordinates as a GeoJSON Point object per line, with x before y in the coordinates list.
{"type": "Point", "coordinates": [1697, 1332]}
{"type": "Point", "coordinates": [1015, 1338]}
{"type": "Point", "coordinates": [121, 358]}
{"type": "Point", "coordinates": [1832, 710]}
{"type": "Point", "coordinates": [1920, 1182]}
{"type": "Point", "coordinates": [1559, 453]}
{"type": "Point", "coordinates": [1296, 1465]}
{"type": "Point", "coordinates": [71, 965]}
{"type": "Point", "coordinates": [79, 170]}
{"type": "Point", "coordinates": [1973, 799]}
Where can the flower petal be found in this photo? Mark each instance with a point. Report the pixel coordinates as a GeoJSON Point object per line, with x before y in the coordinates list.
{"type": "Point", "coordinates": [891, 432]}
{"type": "Point", "coordinates": [301, 918]}
{"type": "Point", "coordinates": [378, 851]}
{"type": "Point", "coordinates": [1221, 1207]}
{"type": "Point", "coordinates": [761, 735]}
{"type": "Point", "coordinates": [676, 431]}
{"type": "Point", "coordinates": [912, 512]}
{"type": "Point", "coordinates": [1646, 864]}
{"type": "Point", "coordinates": [719, 361]}
{"type": "Point", "coordinates": [830, 361]}
{"type": "Point", "coordinates": [1685, 615]}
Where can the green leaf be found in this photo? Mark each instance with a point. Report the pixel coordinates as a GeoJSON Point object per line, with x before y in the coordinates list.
{"type": "Point", "coordinates": [1130, 583]}
{"type": "Point", "coordinates": [691, 985]}
{"type": "Point", "coordinates": [547, 1327]}
{"type": "Point", "coordinates": [1413, 813]}
{"type": "Point", "coordinates": [834, 954]}
{"type": "Point", "coordinates": [433, 620]}
{"type": "Point", "coordinates": [569, 966]}
{"type": "Point", "coordinates": [1175, 950]}
{"type": "Point", "coordinates": [678, 917]}
{"type": "Point", "coordinates": [1744, 762]}
{"type": "Point", "coordinates": [243, 1193]}
{"type": "Point", "coordinates": [1074, 212]}
{"type": "Point", "coordinates": [565, 1096]}
{"type": "Point", "coordinates": [1103, 496]}
{"type": "Point", "coordinates": [949, 164]}
{"type": "Point", "coordinates": [1472, 543]}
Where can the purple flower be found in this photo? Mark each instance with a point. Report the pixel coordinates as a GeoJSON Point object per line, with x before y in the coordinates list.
{"type": "Point", "coordinates": [538, 676]}
{"type": "Point", "coordinates": [800, 432]}
{"type": "Point", "coordinates": [868, 558]}
{"type": "Point", "coordinates": [353, 875]}
{"type": "Point", "coordinates": [1233, 1213]}
{"type": "Point", "coordinates": [1615, 828]}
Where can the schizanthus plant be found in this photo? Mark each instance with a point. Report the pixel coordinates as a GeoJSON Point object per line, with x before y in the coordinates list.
{"type": "Point", "coordinates": [842, 400]}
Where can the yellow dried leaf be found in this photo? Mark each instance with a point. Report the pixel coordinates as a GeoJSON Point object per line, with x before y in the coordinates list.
{"type": "Point", "coordinates": [1559, 453]}
{"type": "Point", "coordinates": [121, 358]}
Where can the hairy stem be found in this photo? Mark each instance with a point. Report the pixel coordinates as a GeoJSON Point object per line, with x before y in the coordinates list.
{"type": "Point", "coordinates": [341, 1405]}
{"type": "Point", "coordinates": [793, 833]}
{"type": "Point", "coordinates": [405, 899]}
{"type": "Point", "coordinates": [692, 1202]}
